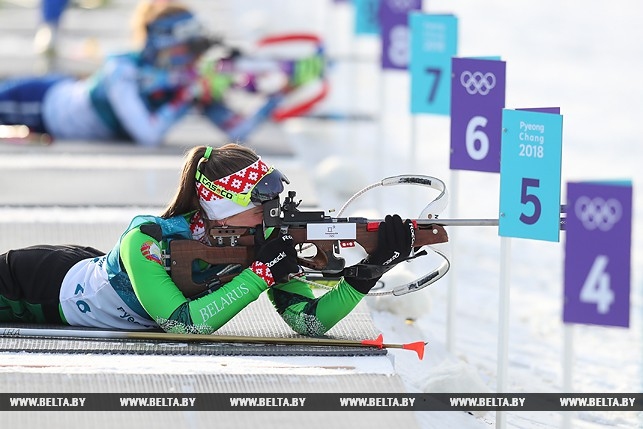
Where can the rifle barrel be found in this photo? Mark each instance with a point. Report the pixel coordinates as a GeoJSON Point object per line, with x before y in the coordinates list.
{"type": "Point", "coordinates": [459, 222]}
{"type": "Point", "coordinates": [469, 222]}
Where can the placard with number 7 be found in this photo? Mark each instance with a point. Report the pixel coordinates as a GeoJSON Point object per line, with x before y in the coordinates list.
{"type": "Point", "coordinates": [434, 40]}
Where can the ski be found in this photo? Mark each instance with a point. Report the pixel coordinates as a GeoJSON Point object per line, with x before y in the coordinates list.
{"type": "Point", "coordinates": [84, 334]}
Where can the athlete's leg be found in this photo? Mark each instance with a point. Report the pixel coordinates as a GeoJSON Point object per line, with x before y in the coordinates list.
{"type": "Point", "coordinates": [30, 280]}
{"type": "Point", "coordinates": [21, 100]}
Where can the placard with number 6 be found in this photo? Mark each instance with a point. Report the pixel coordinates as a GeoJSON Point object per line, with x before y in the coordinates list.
{"type": "Point", "coordinates": [477, 99]}
{"type": "Point", "coordinates": [597, 253]}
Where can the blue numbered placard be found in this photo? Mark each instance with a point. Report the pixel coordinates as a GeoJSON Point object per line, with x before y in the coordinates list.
{"type": "Point", "coordinates": [434, 40]}
{"type": "Point", "coordinates": [477, 99]}
{"type": "Point", "coordinates": [530, 170]}
{"type": "Point", "coordinates": [366, 16]}
{"type": "Point", "coordinates": [597, 253]}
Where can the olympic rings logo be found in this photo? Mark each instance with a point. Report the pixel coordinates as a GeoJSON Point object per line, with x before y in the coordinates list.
{"type": "Point", "coordinates": [596, 213]}
{"type": "Point", "coordinates": [478, 83]}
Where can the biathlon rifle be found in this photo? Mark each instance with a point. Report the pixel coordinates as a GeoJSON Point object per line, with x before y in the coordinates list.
{"type": "Point", "coordinates": [300, 81]}
{"type": "Point", "coordinates": [328, 235]}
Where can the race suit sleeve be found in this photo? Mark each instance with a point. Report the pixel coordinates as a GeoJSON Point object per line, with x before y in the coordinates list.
{"type": "Point", "coordinates": [307, 315]}
{"type": "Point", "coordinates": [145, 127]}
{"type": "Point", "coordinates": [164, 302]}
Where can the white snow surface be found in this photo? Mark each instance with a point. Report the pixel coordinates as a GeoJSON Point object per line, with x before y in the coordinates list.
{"type": "Point", "coordinates": [582, 56]}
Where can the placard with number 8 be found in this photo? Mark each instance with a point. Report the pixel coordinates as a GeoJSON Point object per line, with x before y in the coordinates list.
{"type": "Point", "coordinates": [394, 22]}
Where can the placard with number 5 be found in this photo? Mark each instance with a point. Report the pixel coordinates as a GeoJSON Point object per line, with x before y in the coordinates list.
{"type": "Point", "coordinates": [597, 253]}
{"type": "Point", "coordinates": [530, 174]}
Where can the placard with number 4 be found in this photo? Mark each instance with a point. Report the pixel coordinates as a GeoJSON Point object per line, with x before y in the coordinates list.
{"type": "Point", "coordinates": [597, 253]}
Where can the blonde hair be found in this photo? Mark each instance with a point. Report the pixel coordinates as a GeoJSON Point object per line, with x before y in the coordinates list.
{"type": "Point", "coordinates": [148, 11]}
{"type": "Point", "coordinates": [223, 161]}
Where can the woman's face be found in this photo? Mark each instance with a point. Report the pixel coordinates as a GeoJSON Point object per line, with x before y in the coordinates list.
{"type": "Point", "coordinates": [249, 218]}
{"type": "Point", "coordinates": [175, 58]}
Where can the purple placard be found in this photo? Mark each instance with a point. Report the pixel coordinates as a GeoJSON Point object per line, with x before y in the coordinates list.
{"type": "Point", "coordinates": [597, 254]}
{"type": "Point", "coordinates": [477, 100]}
{"type": "Point", "coordinates": [396, 35]}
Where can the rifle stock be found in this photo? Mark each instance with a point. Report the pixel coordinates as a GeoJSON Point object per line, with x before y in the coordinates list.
{"type": "Point", "coordinates": [236, 246]}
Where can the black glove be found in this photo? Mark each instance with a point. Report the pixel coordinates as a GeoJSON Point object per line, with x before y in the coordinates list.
{"type": "Point", "coordinates": [278, 254]}
{"type": "Point", "coordinates": [395, 241]}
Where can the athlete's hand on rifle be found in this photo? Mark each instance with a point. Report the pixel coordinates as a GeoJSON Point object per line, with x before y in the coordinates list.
{"type": "Point", "coordinates": [206, 89]}
{"type": "Point", "coordinates": [395, 239]}
{"type": "Point", "coordinates": [276, 258]}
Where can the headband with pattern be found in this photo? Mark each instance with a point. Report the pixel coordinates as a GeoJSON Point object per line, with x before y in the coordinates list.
{"type": "Point", "coordinates": [221, 198]}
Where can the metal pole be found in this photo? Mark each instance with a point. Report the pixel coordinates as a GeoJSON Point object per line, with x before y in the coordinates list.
{"type": "Point", "coordinates": [453, 284]}
{"type": "Point", "coordinates": [568, 366]}
{"type": "Point", "coordinates": [503, 332]}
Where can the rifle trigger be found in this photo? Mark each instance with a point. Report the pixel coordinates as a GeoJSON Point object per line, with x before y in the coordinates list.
{"type": "Point", "coordinates": [167, 260]}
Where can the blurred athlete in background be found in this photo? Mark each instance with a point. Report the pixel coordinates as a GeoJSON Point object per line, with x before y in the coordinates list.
{"type": "Point", "coordinates": [138, 96]}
